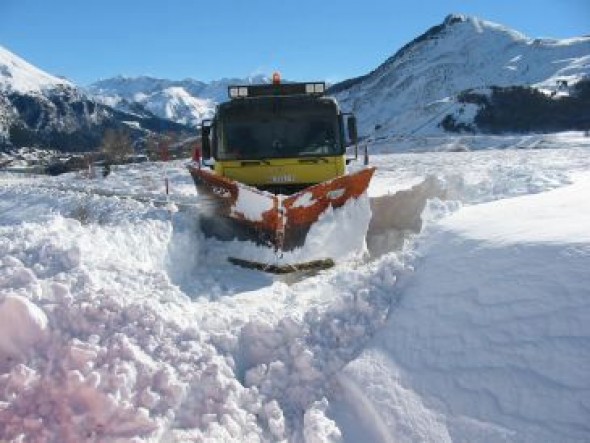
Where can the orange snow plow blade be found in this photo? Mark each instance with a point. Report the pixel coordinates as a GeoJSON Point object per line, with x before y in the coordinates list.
{"type": "Point", "coordinates": [276, 220]}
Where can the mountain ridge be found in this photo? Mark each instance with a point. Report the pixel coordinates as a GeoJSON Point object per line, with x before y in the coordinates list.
{"type": "Point", "coordinates": [186, 101]}
{"type": "Point", "coordinates": [412, 90]}
{"type": "Point", "coordinates": [18, 75]}
{"type": "Point", "coordinates": [443, 80]}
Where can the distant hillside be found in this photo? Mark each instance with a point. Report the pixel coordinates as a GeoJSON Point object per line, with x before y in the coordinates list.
{"type": "Point", "coordinates": [523, 109]}
{"type": "Point", "coordinates": [184, 101]}
{"type": "Point", "coordinates": [37, 109]}
{"type": "Point", "coordinates": [419, 86]}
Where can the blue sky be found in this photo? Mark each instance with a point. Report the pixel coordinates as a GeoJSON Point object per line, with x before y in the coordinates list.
{"type": "Point", "coordinates": [304, 39]}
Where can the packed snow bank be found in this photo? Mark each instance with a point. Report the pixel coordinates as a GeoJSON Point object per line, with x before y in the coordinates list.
{"type": "Point", "coordinates": [464, 143]}
{"type": "Point", "coordinates": [561, 216]}
{"type": "Point", "coordinates": [489, 338]}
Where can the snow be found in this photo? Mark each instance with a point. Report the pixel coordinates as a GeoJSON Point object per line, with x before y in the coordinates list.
{"type": "Point", "coordinates": [487, 342]}
{"type": "Point", "coordinates": [557, 217]}
{"type": "Point", "coordinates": [20, 76]}
{"type": "Point", "coordinates": [252, 204]}
{"type": "Point", "coordinates": [22, 323]}
{"type": "Point", "coordinates": [461, 317]}
{"type": "Point", "coordinates": [185, 101]}
{"type": "Point", "coordinates": [305, 200]}
{"type": "Point", "coordinates": [177, 104]}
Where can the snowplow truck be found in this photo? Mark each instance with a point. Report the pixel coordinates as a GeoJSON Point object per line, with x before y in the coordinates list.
{"type": "Point", "coordinates": [272, 160]}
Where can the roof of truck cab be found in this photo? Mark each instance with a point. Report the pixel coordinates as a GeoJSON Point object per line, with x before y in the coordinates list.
{"type": "Point", "coordinates": [265, 102]}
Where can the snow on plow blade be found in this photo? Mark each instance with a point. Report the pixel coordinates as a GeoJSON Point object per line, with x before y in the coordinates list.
{"type": "Point", "coordinates": [276, 220]}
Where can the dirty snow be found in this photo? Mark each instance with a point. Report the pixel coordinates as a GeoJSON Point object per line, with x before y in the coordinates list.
{"type": "Point", "coordinates": [462, 318]}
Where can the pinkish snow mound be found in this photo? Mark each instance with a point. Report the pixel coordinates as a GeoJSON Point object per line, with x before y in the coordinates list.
{"type": "Point", "coordinates": [90, 353]}
{"type": "Point", "coordinates": [22, 325]}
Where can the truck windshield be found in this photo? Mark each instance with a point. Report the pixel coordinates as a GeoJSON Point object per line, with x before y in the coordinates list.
{"type": "Point", "coordinates": [289, 133]}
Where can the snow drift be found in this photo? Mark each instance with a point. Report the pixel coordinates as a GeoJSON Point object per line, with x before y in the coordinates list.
{"type": "Point", "coordinates": [120, 322]}
{"type": "Point", "coordinates": [488, 339]}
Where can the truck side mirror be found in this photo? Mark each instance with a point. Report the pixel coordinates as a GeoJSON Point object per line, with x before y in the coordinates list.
{"type": "Point", "coordinates": [205, 141]}
{"type": "Point", "coordinates": [352, 131]}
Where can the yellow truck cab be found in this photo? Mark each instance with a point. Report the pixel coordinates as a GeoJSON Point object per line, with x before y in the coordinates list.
{"type": "Point", "coordinates": [278, 137]}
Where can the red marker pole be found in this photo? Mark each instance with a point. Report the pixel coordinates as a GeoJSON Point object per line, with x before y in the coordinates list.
{"type": "Point", "coordinates": [197, 155]}
{"type": "Point", "coordinates": [165, 157]}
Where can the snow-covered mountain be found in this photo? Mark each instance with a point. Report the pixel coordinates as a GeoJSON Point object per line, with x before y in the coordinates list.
{"type": "Point", "coordinates": [465, 74]}
{"type": "Point", "coordinates": [17, 75]}
{"type": "Point", "coordinates": [39, 109]}
{"type": "Point", "coordinates": [417, 87]}
{"type": "Point", "coordinates": [411, 92]}
{"type": "Point", "coordinates": [185, 101]}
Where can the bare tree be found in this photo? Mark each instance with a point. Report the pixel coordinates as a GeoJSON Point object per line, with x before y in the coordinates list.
{"type": "Point", "coordinates": [152, 146]}
{"type": "Point", "coordinates": [116, 144]}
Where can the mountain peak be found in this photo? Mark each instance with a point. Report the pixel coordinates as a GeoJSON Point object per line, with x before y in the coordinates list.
{"type": "Point", "coordinates": [478, 25]}
{"type": "Point", "coordinates": [19, 75]}
{"type": "Point", "coordinates": [454, 18]}
{"type": "Point", "coordinates": [416, 87]}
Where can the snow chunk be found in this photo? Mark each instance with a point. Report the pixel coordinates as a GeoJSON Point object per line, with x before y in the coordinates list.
{"type": "Point", "coordinates": [276, 420]}
{"type": "Point", "coordinates": [317, 428]}
{"type": "Point", "coordinates": [22, 325]}
{"type": "Point", "coordinates": [304, 201]}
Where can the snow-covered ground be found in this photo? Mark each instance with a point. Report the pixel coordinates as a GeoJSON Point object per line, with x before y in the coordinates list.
{"type": "Point", "coordinates": [466, 319]}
